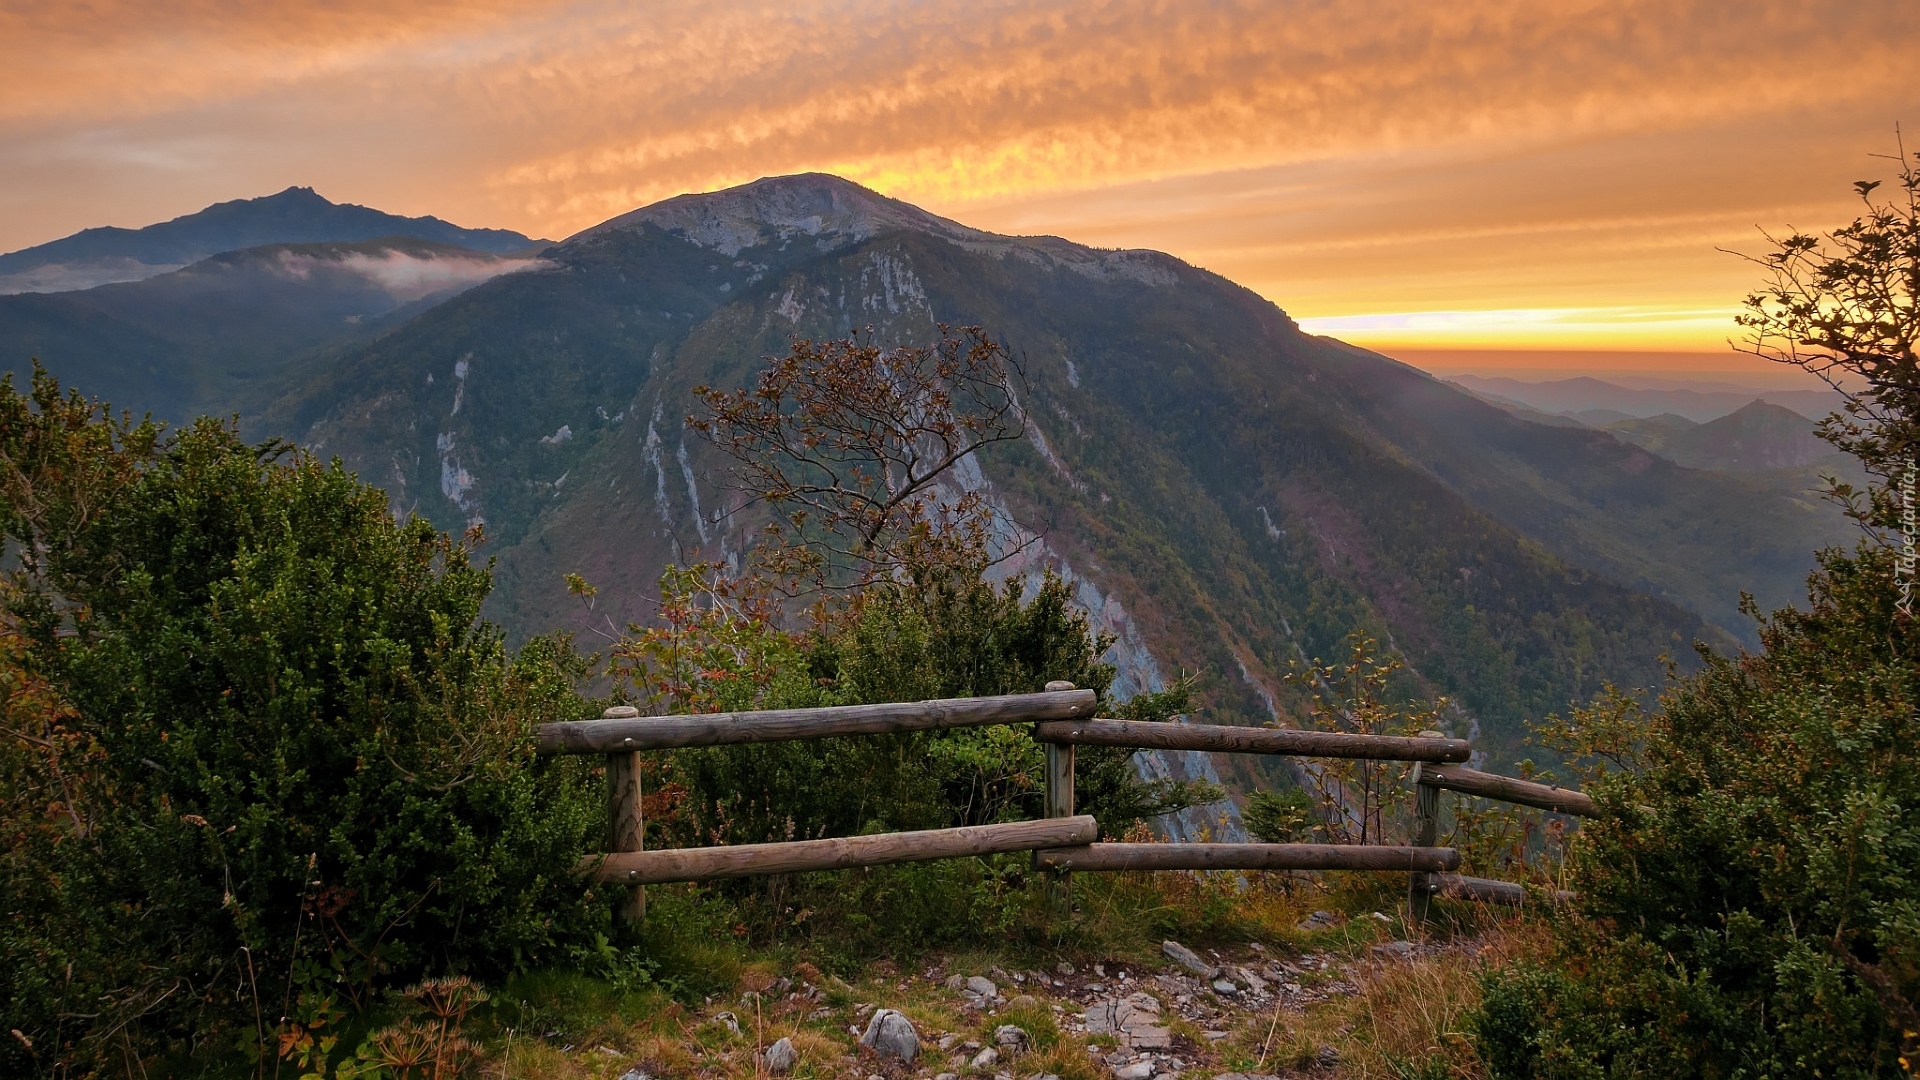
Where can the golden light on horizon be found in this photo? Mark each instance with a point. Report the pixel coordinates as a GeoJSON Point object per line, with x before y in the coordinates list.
{"type": "Point", "coordinates": [1651, 329]}
{"type": "Point", "coordinates": [1490, 174]}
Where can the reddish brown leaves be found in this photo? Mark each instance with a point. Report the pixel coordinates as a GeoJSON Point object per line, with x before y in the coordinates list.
{"type": "Point", "coordinates": [857, 447]}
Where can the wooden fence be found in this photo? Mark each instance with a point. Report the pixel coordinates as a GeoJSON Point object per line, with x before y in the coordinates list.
{"type": "Point", "coordinates": [1063, 841]}
{"type": "Point", "coordinates": [1428, 781]}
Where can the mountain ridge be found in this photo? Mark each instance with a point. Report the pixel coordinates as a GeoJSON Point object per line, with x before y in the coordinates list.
{"type": "Point", "coordinates": [1586, 393]}
{"type": "Point", "coordinates": [110, 254]}
{"type": "Point", "coordinates": [779, 208]}
{"type": "Point", "coordinates": [1757, 436]}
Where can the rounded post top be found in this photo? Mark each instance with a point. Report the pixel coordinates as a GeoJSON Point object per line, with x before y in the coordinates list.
{"type": "Point", "coordinates": [620, 712]}
{"type": "Point", "coordinates": [1058, 685]}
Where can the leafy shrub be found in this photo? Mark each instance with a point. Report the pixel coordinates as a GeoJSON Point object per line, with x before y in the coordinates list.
{"type": "Point", "coordinates": [1281, 817]}
{"type": "Point", "coordinates": [279, 761]}
{"type": "Point", "coordinates": [1359, 798]}
{"type": "Point", "coordinates": [1749, 900]}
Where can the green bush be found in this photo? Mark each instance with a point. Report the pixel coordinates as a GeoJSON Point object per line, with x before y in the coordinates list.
{"type": "Point", "coordinates": [1749, 899]}
{"type": "Point", "coordinates": [290, 765]}
{"type": "Point", "coordinates": [1288, 816]}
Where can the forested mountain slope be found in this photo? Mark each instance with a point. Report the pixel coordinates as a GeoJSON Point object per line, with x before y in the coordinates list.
{"type": "Point", "coordinates": [1696, 538]}
{"type": "Point", "coordinates": [1232, 493]}
{"type": "Point", "coordinates": [217, 336]}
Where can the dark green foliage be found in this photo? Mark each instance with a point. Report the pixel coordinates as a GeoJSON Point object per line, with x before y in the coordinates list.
{"type": "Point", "coordinates": [89, 347]}
{"type": "Point", "coordinates": [312, 770]}
{"type": "Point", "coordinates": [954, 639]}
{"type": "Point", "coordinates": [957, 638]}
{"type": "Point", "coordinates": [1750, 898]}
{"type": "Point", "coordinates": [1517, 1003]}
{"type": "Point", "coordinates": [1281, 817]}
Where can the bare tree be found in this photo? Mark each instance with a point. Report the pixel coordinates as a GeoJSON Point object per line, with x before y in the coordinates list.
{"type": "Point", "coordinates": [856, 449]}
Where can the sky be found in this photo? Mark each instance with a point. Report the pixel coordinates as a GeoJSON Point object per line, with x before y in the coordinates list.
{"type": "Point", "coordinates": [1483, 184]}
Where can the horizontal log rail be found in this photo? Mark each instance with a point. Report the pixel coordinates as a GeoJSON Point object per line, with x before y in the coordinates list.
{"type": "Point", "coordinates": [1507, 789]}
{"type": "Point", "coordinates": [1486, 890]}
{"type": "Point", "coordinates": [782, 725]}
{"type": "Point", "coordinates": [1219, 738]}
{"type": "Point", "coordinates": [839, 853]}
{"type": "Point", "coordinates": [1246, 857]}
{"type": "Point", "coordinates": [1061, 843]}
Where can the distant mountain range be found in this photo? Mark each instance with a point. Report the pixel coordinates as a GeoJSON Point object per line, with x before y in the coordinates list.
{"type": "Point", "coordinates": [1754, 438]}
{"type": "Point", "coordinates": [1229, 494]}
{"type": "Point", "coordinates": [297, 215]}
{"type": "Point", "coordinates": [1598, 403]}
{"type": "Point", "coordinates": [1759, 436]}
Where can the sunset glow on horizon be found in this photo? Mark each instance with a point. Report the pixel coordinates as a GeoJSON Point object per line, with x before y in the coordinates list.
{"type": "Point", "coordinates": [1488, 175]}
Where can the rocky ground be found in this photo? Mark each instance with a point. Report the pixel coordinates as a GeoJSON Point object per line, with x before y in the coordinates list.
{"type": "Point", "coordinates": [1243, 1012]}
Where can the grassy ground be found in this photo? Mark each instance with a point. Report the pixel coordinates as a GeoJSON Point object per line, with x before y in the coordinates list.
{"type": "Point", "coordinates": [1335, 1001]}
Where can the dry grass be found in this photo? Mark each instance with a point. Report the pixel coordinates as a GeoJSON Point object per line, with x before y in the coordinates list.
{"type": "Point", "coordinates": [1402, 1019]}
{"type": "Point", "coordinates": [1406, 1019]}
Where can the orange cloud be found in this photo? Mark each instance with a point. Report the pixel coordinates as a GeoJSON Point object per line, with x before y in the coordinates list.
{"type": "Point", "coordinates": [1383, 157]}
{"type": "Point", "coordinates": [118, 60]}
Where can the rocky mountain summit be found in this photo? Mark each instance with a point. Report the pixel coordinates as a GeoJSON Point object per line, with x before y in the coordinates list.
{"type": "Point", "coordinates": [827, 211]}
{"type": "Point", "coordinates": [832, 214]}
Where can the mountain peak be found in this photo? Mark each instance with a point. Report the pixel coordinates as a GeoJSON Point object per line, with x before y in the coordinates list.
{"type": "Point", "coordinates": [830, 209]}
{"type": "Point", "coordinates": [1761, 411]}
{"type": "Point", "coordinates": [293, 193]}
{"type": "Point", "coordinates": [291, 200]}
{"type": "Point", "coordinates": [296, 215]}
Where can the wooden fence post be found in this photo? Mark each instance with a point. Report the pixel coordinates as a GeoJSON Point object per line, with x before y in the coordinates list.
{"type": "Point", "coordinates": [1426, 830]}
{"type": "Point", "coordinates": [626, 820]}
{"type": "Point", "coordinates": [1059, 805]}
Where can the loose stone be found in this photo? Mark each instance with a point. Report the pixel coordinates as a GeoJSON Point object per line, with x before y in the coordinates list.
{"type": "Point", "coordinates": [782, 1057]}
{"type": "Point", "coordinates": [1188, 959]}
{"type": "Point", "coordinates": [891, 1034]}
